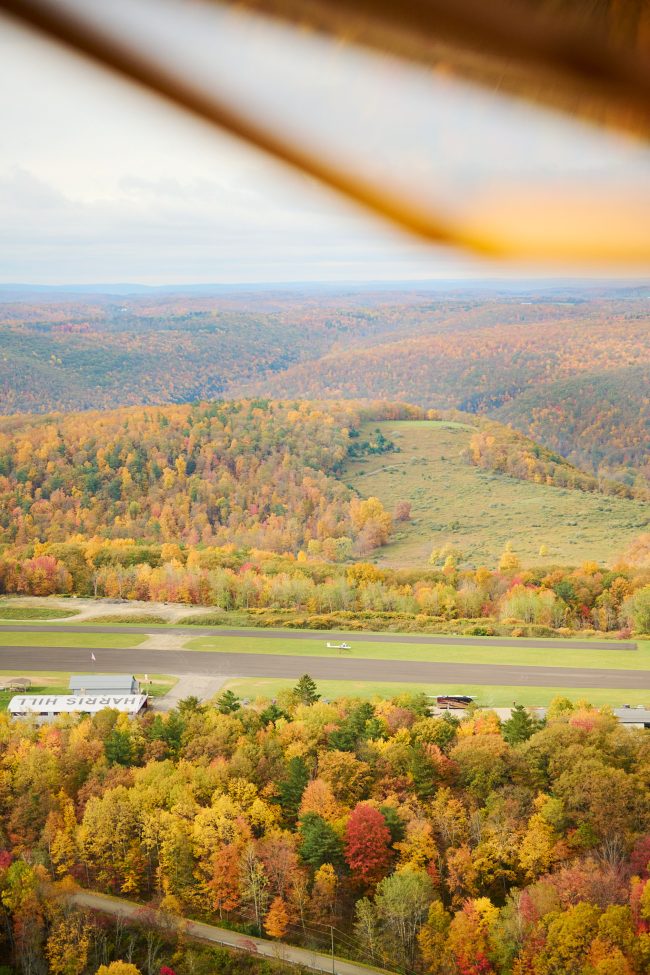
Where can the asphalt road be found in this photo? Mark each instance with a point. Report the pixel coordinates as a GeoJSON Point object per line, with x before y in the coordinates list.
{"type": "Point", "coordinates": [260, 947]}
{"type": "Point", "coordinates": [196, 631]}
{"type": "Point", "coordinates": [205, 664]}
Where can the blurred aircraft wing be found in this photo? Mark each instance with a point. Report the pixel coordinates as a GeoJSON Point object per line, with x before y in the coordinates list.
{"type": "Point", "coordinates": [589, 60]}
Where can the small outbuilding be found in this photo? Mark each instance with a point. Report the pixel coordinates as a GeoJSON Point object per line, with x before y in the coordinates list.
{"type": "Point", "coordinates": [18, 684]}
{"type": "Point", "coordinates": [113, 684]}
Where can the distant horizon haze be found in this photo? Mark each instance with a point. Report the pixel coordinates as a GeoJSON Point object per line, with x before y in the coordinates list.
{"type": "Point", "coordinates": [440, 283]}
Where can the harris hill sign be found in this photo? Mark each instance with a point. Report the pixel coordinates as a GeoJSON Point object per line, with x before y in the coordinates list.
{"type": "Point", "coordinates": [46, 704]}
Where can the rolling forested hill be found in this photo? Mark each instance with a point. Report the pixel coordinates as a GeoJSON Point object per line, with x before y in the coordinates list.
{"type": "Point", "coordinates": [335, 479]}
{"type": "Point", "coordinates": [569, 368]}
{"type": "Point", "coordinates": [577, 385]}
{"type": "Point", "coordinates": [601, 421]}
{"type": "Point", "coordinates": [249, 473]}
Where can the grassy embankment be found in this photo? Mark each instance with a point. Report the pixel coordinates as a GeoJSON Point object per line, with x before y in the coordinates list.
{"type": "Point", "coordinates": [85, 638]}
{"type": "Point", "coordinates": [15, 611]}
{"type": "Point", "coordinates": [477, 511]}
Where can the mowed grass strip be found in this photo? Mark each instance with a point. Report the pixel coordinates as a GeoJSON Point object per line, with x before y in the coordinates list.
{"type": "Point", "coordinates": [487, 696]}
{"type": "Point", "coordinates": [161, 683]}
{"type": "Point", "coordinates": [93, 641]}
{"type": "Point", "coordinates": [12, 612]}
{"type": "Point", "coordinates": [492, 653]}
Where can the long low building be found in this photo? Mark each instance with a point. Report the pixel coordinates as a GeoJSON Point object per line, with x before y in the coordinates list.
{"type": "Point", "coordinates": [49, 706]}
{"type": "Point", "coordinates": [635, 717]}
{"type": "Point", "coordinates": [90, 685]}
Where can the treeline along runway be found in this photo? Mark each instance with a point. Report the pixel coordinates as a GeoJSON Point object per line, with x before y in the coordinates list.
{"type": "Point", "coordinates": [206, 663]}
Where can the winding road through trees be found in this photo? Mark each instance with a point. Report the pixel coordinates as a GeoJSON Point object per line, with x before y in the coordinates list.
{"type": "Point", "coordinates": [261, 947]}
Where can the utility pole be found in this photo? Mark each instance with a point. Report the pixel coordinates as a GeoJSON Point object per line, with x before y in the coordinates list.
{"type": "Point", "coordinates": [332, 934]}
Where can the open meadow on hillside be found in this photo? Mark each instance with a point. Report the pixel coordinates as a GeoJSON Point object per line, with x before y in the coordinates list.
{"type": "Point", "coordinates": [477, 512]}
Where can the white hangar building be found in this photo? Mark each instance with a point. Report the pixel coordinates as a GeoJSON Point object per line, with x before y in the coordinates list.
{"type": "Point", "coordinates": [49, 706]}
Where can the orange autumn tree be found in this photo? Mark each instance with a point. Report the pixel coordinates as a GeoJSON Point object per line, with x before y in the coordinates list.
{"type": "Point", "coordinates": [276, 922]}
{"type": "Point", "coordinates": [224, 882]}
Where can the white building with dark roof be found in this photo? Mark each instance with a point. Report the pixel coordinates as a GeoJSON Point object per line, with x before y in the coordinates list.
{"type": "Point", "coordinates": [51, 705]}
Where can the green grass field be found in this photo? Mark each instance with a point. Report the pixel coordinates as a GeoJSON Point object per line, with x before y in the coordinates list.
{"type": "Point", "coordinates": [11, 611]}
{"type": "Point", "coordinates": [98, 641]}
{"type": "Point", "coordinates": [45, 683]}
{"type": "Point", "coordinates": [486, 695]}
{"type": "Point", "coordinates": [314, 645]}
{"type": "Point", "coordinates": [491, 653]}
{"type": "Point", "coordinates": [161, 683]}
{"type": "Point", "coordinates": [477, 511]}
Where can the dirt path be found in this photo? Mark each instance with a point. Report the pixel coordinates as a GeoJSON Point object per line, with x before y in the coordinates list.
{"type": "Point", "coordinates": [87, 609]}
{"type": "Point", "coordinates": [260, 947]}
{"type": "Point", "coordinates": [164, 641]}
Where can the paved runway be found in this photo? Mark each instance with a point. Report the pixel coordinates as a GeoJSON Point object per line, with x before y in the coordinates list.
{"type": "Point", "coordinates": [26, 659]}
{"type": "Point", "coordinates": [197, 631]}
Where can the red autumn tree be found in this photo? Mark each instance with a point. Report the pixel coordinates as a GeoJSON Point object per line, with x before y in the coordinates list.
{"type": "Point", "coordinates": [367, 844]}
{"type": "Point", "coordinates": [639, 858]}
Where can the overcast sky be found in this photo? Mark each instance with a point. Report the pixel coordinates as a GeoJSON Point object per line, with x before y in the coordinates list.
{"type": "Point", "coordinates": [101, 182]}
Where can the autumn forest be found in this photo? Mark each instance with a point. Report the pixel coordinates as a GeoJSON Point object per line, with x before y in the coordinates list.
{"type": "Point", "coordinates": [566, 366]}
{"type": "Point", "coordinates": [226, 451]}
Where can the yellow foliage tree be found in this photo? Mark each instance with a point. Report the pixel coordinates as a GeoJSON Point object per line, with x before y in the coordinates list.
{"type": "Point", "coordinates": [118, 968]}
{"type": "Point", "coordinates": [276, 922]}
{"type": "Point", "coordinates": [67, 946]}
{"type": "Point", "coordinates": [536, 847]}
{"type": "Point", "coordinates": [323, 895]}
{"type": "Point", "coordinates": [508, 561]}
{"type": "Point", "coordinates": [318, 798]}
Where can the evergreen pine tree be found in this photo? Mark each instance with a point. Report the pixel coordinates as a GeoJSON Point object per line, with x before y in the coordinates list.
{"type": "Point", "coordinates": [519, 726]}
{"type": "Point", "coordinates": [228, 702]}
{"type": "Point", "coordinates": [292, 787]}
{"type": "Point", "coordinates": [272, 713]}
{"type": "Point", "coordinates": [319, 842]}
{"type": "Point", "coordinates": [423, 772]}
{"type": "Point", "coordinates": [306, 691]}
